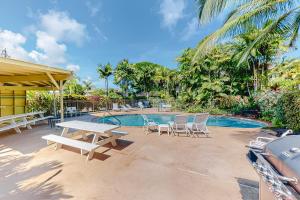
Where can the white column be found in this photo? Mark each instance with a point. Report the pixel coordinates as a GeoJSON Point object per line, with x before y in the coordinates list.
{"type": "Point", "coordinates": [61, 94]}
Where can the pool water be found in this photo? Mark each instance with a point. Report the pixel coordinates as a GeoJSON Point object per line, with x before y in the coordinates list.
{"type": "Point", "coordinates": [137, 120]}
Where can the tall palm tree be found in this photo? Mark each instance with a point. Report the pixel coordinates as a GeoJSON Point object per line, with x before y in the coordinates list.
{"type": "Point", "coordinates": [88, 85]}
{"type": "Point", "coordinates": [283, 17]}
{"type": "Point", "coordinates": [105, 71]}
{"type": "Point", "coordinates": [123, 75]}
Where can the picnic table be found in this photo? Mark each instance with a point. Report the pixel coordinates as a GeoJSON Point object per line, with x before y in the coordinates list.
{"type": "Point", "coordinates": [103, 131]}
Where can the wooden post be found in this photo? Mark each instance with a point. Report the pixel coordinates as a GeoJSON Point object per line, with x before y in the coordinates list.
{"type": "Point", "coordinates": [61, 94]}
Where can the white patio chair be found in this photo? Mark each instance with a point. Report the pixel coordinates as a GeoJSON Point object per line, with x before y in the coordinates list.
{"type": "Point", "coordinates": [115, 107]}
{"type": "Point", "coordinates": [199, 124]}
{"type": "Point", "coordinates": [165, 107]}
{"type": "Point", "coordinates": [130, 107]}
{"type": "Point", "coordinates": [148, 124]}
{"type": "Point", "coordinates": [141, 105]}
{"type": "Point", "coordinates": [260, 142]}
{"type": "Point", "coordinates": [179, 125]}
{"type": "Point", "coordinates": [123, 108]}
{"type": "Point", "coordinates": [71, 111]}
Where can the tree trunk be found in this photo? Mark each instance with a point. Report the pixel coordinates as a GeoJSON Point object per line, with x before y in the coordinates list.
{"type": "Point", "coordinates": [106, 85]}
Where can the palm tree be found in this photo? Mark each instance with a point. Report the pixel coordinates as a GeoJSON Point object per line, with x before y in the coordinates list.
{"type": "Point", "coordinates": [281, 16]}
{"type": "Point", "coordinates": [105, 71]}
{"type": "Point", "coordinates": [124, 75]}
{"type": "Point", "coordinates": [88, 85]}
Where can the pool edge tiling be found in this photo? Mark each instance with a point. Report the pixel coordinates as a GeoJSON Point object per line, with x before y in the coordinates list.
{"type": "Point", "coordinates": [135, 120]}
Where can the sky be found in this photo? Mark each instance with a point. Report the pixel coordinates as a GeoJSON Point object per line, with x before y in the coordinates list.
{"type": "Point", "coordinates": [78, 35]}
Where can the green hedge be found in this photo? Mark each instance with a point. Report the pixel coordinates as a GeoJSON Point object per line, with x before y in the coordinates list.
{"type": "Point", "coordinates": [288, 110]}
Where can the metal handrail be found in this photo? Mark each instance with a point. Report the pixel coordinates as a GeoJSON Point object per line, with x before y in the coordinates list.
{"type": "Point", "coordinates": [111, 115]}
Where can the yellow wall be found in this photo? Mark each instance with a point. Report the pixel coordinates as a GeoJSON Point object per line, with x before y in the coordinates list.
{"type": "Point", "coordinates": [12, 102]}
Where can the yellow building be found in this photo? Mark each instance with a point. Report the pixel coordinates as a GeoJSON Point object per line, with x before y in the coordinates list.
{"type": "Point", "coordinates": [17, 77]}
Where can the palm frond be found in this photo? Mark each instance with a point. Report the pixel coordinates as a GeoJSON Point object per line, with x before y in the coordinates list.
{"type": "Point", "coordinates": [276, 26]}
{"type": "Point", "coordinates": [238, 23]}
{"type": "Point", "coordinates": [295, 26]}
{"type": "Point", "coordinates": [210, 8]}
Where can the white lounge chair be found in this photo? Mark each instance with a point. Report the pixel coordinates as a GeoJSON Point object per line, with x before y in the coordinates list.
{"type": "Point", "coordinates": [199, 124]}
{"type": "Point", "coordinates": [179, 125]}
{"type": "Point", "coordinates": [115, 107]}
{"type": "Point", "coordinates": [71, 111]}
{"type": "Point", "coordinates": [260, 142]}
{"type": "Point", "coordinates": [141, 105]}
{"type": "Point", "coordinates": [165, 107]}
{"type": "Point", "coordinates": [149, 124]}
{"type": "Point", "coordinates": [130, 107]}
{"type": "Point", "coordinates": [123, 108]}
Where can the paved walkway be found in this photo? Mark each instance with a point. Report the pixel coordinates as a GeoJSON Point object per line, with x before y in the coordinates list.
{"type": "Point", "coordinates": [148, 167]}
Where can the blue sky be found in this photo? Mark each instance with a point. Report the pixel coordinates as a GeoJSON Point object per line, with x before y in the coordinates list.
{"type": "Point", "coordinates": [79, 35]}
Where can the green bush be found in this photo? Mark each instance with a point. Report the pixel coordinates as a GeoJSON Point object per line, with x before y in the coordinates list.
{"type": "Point", "coordinates": [211, 110]}
{"type": "Point", "coordinates": [228, 102]}
{"type": "Point", "coordinates": [287, 111]}
{"type": "Point", "coordinates": [40, 101]}
{"type": "Point", "coordinates": [267, 102]}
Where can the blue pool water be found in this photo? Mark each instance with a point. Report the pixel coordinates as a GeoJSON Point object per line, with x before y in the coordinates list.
{"type": "Point", "coordinates": [137, 120]}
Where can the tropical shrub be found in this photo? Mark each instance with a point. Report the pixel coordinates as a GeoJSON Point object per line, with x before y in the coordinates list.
{"type": "Point", "coordinates": [41, 101]}
{"type": "Point", "coordinates": [267, 102]}
{"type": "Point", "coordinates": [288, 110]}
{"type": "Point", "coordinates": [210, 110]}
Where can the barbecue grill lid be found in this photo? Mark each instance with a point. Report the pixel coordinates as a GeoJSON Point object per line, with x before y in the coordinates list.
{"type": "Point", "coordinates": [287, 150]}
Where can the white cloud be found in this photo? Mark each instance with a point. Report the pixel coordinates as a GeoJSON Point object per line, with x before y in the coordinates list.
{"type": "Point", "coordinates": [73, 68]}
{"type": "Point", "coordinates": [63, 28]}
{"type": "Point", "coordinates": [191, 30]}
{"type": "Point", "coordinates": [99, 32]}
{"type": "Point", "coordinates": [53, 31]}
{"type": "Point", "coordinates": [52, 53]}
{"type": "Point", "coordinates": [93, 8]}
{"type": "Point", "coordinates": [13, 43]}
{"type": "Point", "coordinates": [171, 11]}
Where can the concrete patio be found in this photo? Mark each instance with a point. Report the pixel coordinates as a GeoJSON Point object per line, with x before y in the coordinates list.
{"type": "Point", "coordinates": [149, 167]}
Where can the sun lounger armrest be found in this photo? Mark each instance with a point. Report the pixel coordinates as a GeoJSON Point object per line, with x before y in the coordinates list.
{"type": "Point", "coordinates": [264, 139]}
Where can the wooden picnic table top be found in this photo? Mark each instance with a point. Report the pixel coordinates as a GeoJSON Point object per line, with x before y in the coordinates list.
{"type": "Point", "coordinates": [88, 126]}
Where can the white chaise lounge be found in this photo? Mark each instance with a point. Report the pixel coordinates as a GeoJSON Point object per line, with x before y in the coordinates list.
{"type": "Point", "coordinates": [115, 107]}
{"type": "Point", "coordinates": [130, 107]}
{"type": "Point", "coordinates": [179, 125]}
{"type": "Point", "coordinates": [124, 108]}
{"type": "Point", "coordinates": [260, 142]}
{"type": "Point", "coordinates": [199, 124]}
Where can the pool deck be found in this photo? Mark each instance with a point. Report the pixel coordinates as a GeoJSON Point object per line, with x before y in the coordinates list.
{"type": "Point", "coordinates": [148, 167]}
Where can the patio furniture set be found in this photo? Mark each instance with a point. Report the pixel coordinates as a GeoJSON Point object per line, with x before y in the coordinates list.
{"type": "Point", "coordinates": [124, 108]}
{"type": "Point", "coordinates": [102, 134]}
{"type": "Point", "coordinates": [179, 125]}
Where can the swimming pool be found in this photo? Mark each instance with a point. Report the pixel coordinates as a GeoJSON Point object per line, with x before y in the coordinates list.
{"type": "Point", "coordinates": [137, 120]}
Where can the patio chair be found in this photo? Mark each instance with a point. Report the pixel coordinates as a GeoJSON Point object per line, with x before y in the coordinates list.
{"type": "Point", "coordinates": [141, 105]}
{"type": "Point", "coordinates": [130, 107]}
{"type": "Point", "coordinates": [165, 107]}
{"type": "Point", "coordinates": [123, 108]}
{"type": "Point", "coordinates": [179, 125]}
{"type": "Point", "coordinates": [199, 124]}
{"type": "Point", "coordinates": [115, 107]}
{"type": "Point", "coordinates": [260, 142]}
{"type": "Point", "coordinates": [148, 124]}
{"type": "Point", "coordinates": [71, 111]}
